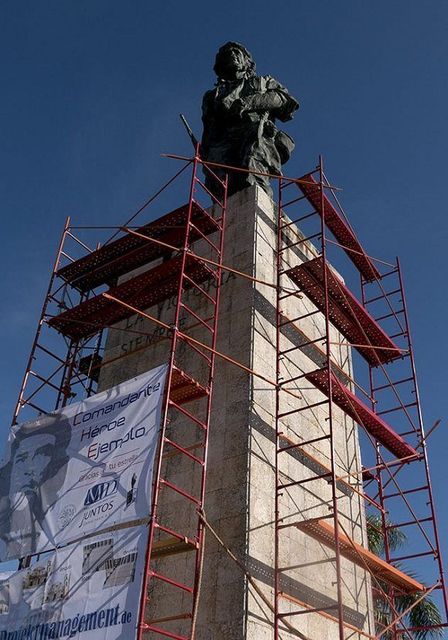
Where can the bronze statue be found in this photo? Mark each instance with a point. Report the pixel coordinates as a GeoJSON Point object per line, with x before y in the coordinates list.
{"type": "Point", "coordinates": [239, 117]}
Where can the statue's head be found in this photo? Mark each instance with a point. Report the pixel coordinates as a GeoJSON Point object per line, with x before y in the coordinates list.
{"type": "Point", "coordinates": [233, 61]}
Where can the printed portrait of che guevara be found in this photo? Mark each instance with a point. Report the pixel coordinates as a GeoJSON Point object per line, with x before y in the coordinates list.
{"type": "Point", "coordinates": [30, 480]}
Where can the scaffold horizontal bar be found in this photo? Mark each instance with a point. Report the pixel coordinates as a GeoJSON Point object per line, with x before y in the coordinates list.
{"type": "Point", "coordinates": [198, 351]}
{"type": "Point", "coordinates": [163, 632]}
{"type": "Point", "coordinates": [170, 547]}
{"type": "Point", "coordinates": [173, 583]}
{"type": "Point", "coordinates": [304, 344]}
{"type": "Point", "coordinates": [232, 168]}
{"type": "Point", "coordinates": [405, 492]}
{"type": "Point", "coordinates": [400, 407]}
{"type": "Point", "coordinates": [293, 201]}
{"type": "Point", "coordinates": [192, 447]}
{"type": "Point", "coordinates": [297, 523]}
{"type": "Point", "coordinates": [212, 196]}
{"type": "Point", "coordinates": [408, 523]}
{"type": "Point", "coordinates": [306, 315]}
{"type": "Point", "coordinates": [297, 220]}
{"type": "Point", "coordinates": [174, 487]}
{"type": "Point", "coordinates": [388, 273]}
{"type": "Point", "coordinates": [200, 289]}
{"type": "Point", "coordinates": [309, 406]}
{"type": "Point", "coordinates": [392, 384]}
{"type": "Point", "coordinates": [181, 537]}
{"type": "Point", "coordinates": [386, 294]}
{"type": "Point", "coordinates": [288, 380]}
{"type": "Point", "coordinates": [198, 318]}
{"type": "Point", "coordinates": [50, 353]}
{"type": "Point", "coordinates": [301, 241]}
{"type": "Point", "coordinates": [389, 315]}
{"type": "Point", "coordinates": [188, 414]}
{"type": "Point", "coordinates": [297, 294]}
{"type": "Point", "coordinates": [422, 554]}
{"type": "Point", "coordinates": [214, 175]}
{"type": "Point", "coordinates": [46, 381]}
{"type": "Point", "coordinates": [179, 616]}
{"type": "Point", "coordinates": [303, 444]}
{"type": "Point", "coordinates": [184, 451]}
{"type": "Point", "coordinates": [295, 483]}
{"type": "Point", "coordinates": [314, 610]}
{"type": "Point", "coordinates": [204, 237]}
{"type": "Point", "coordinates": [27, 403]}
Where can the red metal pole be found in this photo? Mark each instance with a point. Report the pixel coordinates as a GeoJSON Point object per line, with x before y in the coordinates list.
{"type": "Point", "coordinates": [41, 321]}
{"type": "Point", "coordinates": [277, 413]}
{"type": "Point", "coordinates": [330, 408]}
{"type": "Point", "coordinates": [157, 475]}
{"type": "Point", "coordinates": [424, 448]}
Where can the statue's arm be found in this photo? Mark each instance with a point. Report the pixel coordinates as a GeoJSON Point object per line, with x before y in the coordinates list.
{"type": "Point", "coordinates": [274, 99]}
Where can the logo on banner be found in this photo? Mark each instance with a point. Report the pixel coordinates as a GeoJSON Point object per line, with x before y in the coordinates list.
{"type": "Point", "coordinates": [66, 515]}
{"type": "Point", "coordinates": [100, 492]}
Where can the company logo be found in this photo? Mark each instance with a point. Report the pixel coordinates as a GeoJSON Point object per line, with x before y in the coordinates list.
{"type": "Point", "coordinates": [100, 492]}
{"type": "Point", "coordinates": [66, 515]}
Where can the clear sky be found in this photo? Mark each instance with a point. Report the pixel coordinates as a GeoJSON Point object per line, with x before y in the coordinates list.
{"type": "Point", "coordinates": [91, 91]}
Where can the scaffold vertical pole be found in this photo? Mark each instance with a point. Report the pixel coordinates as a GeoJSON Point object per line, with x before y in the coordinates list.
{"type": "Point", "coordinates": [32, 356]}
{"type": "Point", "coordinates": [330, 405]}
{"type": "Point", "coordinates": [423, 445]}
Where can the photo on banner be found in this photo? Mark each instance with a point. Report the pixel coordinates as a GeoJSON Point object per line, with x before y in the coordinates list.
{"type": "Point", "coordinates": [89, 589]}
{"type": "Point", "coordinates": [81, 470]}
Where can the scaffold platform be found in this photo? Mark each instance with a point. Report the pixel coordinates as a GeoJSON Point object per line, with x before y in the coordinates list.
{"type": "Point", "coordinates": [142, 291]}
{"type": "Point", "coordinates": [339, 228]}
{"type": "Point", "coordinates": [356, 409]}
{"type": "Point", "coordinates": [130, 251]}
{"type": "Point", "coordinates": [345, 312]}
{"type": "Point", "coordinates": [324, 532]}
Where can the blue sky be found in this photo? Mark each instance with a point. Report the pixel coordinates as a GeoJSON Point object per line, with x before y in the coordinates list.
{"type": "Point", "coordinates": [91, 92]}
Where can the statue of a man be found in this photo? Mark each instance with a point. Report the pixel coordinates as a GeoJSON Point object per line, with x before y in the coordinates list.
{"type": "Point", "coordinates": [239, 117]}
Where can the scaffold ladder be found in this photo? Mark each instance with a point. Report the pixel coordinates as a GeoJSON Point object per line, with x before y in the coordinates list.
{"type": "Point", "coordinates": [163, 540]}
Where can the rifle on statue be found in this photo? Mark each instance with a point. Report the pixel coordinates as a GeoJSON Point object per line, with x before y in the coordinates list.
{"type": "Point", "coordinates": [191, 135]}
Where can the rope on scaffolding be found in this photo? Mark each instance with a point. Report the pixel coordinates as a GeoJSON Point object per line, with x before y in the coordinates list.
{"type": "Point", "coordinates": [197, 596]}
{"type": "Point", "coordinates": [246, 573]}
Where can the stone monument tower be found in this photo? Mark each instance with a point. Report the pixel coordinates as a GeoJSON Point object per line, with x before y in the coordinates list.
{"type": "Point", "coordinates": [241, 480]}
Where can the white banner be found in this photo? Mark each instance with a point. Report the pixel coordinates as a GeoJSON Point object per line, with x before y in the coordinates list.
{"type": "Point", "coordinates": [87, 590]}
{"type": "Point", "coordinates": [81, 470]}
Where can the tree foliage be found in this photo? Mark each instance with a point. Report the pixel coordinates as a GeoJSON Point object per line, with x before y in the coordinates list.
{"type": "Point", "coordinates": [425, 613]}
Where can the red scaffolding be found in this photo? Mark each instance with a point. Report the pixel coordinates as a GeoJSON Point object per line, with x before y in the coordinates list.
{"type": "Point", "coordinates": [378, 329]}
{"type": "Point", "coordinates": [84, 299]}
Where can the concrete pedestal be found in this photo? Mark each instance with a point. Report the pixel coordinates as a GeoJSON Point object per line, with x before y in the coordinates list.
{"type": "Point", "coordinates": [241, 480]}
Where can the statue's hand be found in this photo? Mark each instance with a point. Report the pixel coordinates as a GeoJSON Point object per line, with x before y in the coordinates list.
{"type": "Point", "coordinates": [238, 108]}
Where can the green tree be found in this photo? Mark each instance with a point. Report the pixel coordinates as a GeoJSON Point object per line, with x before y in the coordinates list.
{"type": "Point", "coordinates": [425, 613]}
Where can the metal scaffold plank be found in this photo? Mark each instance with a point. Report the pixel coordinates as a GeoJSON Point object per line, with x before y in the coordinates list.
{"type": "Point", "coordinates": [142, 291]}
{"type": "Point", "coordinates": [339, 228]}
{"type": "Point", "coordinates": [324, 532]}
{"type": "Point", "coordinates": [130, 251]}
{"type": "Point", "coordinates": [356, 409]}
{"type": "Point", "coordinates": [345, 312]}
